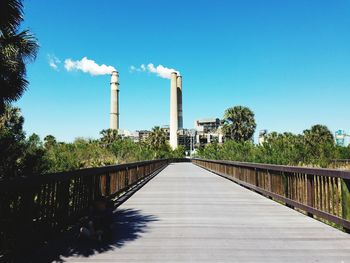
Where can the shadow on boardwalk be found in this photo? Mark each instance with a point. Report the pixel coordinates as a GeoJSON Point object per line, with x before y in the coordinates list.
{"type": "Point", "coordinates": [129, 224]}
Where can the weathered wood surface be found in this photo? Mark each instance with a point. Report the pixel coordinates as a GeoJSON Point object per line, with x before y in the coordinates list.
{"type": "Point", "coordinates": [187, 214]}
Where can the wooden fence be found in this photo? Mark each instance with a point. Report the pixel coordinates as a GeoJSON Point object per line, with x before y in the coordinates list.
{"type": "Point", "coordinates": [35, 208]}
{"type": "Point", "coordinates": [323, 193]}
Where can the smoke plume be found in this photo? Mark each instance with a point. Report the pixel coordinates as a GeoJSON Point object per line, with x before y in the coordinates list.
{"type": "Point", "coordinates": [88, 66]}
{"type": "Point", "coordinates": [159, 70]}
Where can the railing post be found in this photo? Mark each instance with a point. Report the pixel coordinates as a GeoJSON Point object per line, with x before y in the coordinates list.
{"type": "Point", "coordinates": [289, 188]}
{"type": "Point", "coordinates": [127, 177]}
{"type": "Point", "coordinates": [108, 184]}
{"type": "Point", "coordinates": [310, 192]}
{"type": "Point", "coordinates": [269, 182]}
{"type": "Point", "coordinates": [345, 199]}
{"type": "Point", "coordinates": [63, 204]}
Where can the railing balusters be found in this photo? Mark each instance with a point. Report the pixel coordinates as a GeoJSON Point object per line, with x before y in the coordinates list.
{"type": "Point", "coordinates": [324, 193]}
{"type": "Point", "coordinates": [345, 194]}
{"type": "Point", "coordinates": [44, 204]}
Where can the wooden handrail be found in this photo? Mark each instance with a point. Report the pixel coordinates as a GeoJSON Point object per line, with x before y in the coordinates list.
{"type": "Point", "coordinates": [322, 193]}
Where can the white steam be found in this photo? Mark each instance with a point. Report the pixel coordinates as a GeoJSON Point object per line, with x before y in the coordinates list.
{"type": "Point", "coordinates": [159, 70]}
{"type": "Point", "coordinates": [88, 66]}
{"type": "Point", "coordinates": [53, 61]}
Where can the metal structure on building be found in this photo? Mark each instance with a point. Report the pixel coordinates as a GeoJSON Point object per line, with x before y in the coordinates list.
{"type": "Point", "coordinates": [262, 136]}
{"type": "Point", "coordinates": [340, 137]}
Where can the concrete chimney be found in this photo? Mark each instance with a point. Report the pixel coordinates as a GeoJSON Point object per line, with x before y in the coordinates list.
{"type": "Point", "coordinates": [179, 102]}
{"type": "Point", "coordinates": [173, 111]}
{"type": "Point", "coordinates": [114, 115]}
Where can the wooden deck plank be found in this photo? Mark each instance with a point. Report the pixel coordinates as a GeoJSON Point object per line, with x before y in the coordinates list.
{"type": "Point", "coordinates": [187, 214]}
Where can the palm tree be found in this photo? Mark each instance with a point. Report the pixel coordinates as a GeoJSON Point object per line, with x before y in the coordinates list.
{"type": "Point", "coordinates": [239, 123]}
{"type": "Point", "coordinates": [109, 136]}
{"type": "Point", "coordinates": [49, 141]}
{"type": "Point", "coordinates": [157, 139]}
{"type": "Point", "coordinates": [16, 49]}
{"type": "Point", "coordinates": [11, 14]}
{"type": "Point", "coordinates": [318, 134]}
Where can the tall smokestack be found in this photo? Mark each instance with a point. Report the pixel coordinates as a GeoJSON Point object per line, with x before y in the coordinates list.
{"type": "Point", "coordinates": [114, 115]}
{"type": "Point", "coordinates": [179, 102]}
{"type": "Point", "coordinates": [173, 111]}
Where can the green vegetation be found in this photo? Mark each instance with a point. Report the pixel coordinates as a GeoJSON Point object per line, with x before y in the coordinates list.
{"type": "Point", "coordinates": [20, 156]}
{"type": "Point", "coordinates": [239, 124]}
{"type": "Point", "coordinates": [314, 147]}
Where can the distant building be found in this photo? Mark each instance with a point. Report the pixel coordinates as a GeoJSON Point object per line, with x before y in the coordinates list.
{"type": "Point", "coordinates": [133, 135]}
{"type": "Point", "coordinates": [207, 131]}
{"type": "Point", "coordinates": [207, 125]}
{"type": "Point", "coordinates": [143, 135]}
{"type": "Point", "coordinates": [186, 138]}
{"type": "Point", "coordinates": [166, 129]}
{"type": "Point", "coordinates": [262, 136]}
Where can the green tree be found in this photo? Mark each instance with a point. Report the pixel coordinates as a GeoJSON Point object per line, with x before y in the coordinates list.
{"type": "Point", "coordinates": [239, 123]}
{"type": "Point", "coordinates": [16, 49]}
{"type": "Point", "coordinates": [319, 145]}
{"type": "Point", "coordinates": [318, 134]}
{"type": "Point", "coordinates": [49, 141]}
{"type": "Point", "coordinates": [19, 156]}
{"type": "Point", "coordinates": [34, 161]}
{"type": "Point", "coordinates": [281, 148]}
{"type": "Point", "coordinates": [12, 141]}
{"type": "Point", "coordinates": [157, 139]}
{"type": "Point", "coordinates": [179, 152]}
{"type": "Point", "coordinates": [82, 153]}
{"type": "Point", "coordinates": [128, 151]}
{"type": "Point", "coordinates": [109, 136]}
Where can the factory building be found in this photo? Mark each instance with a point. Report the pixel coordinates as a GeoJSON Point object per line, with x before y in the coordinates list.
{"type": "Point", "coordinates": [132, 135]}
{"type": "Point", "coordinates": [143, 135]}
{"type": "Point", "coordinates": [176, 113]}
{"type": "Point", "coordinates": [207, 131]}
{"type": "Point", "coordinates": [207, 125]}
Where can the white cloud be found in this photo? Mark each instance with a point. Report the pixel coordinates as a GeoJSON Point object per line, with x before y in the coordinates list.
{"type": "Point", "coordinates": [141, 68]}
{"type": "Point", "coordinates": [159, 70]}
{"type": "Point", "coordinates": [53, 61]}
{"type": "Point", "coordinates": [88, 66]}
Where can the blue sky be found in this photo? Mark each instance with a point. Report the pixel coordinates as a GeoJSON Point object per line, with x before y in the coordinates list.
{"type": "Point", "coordinates": [289, 61]}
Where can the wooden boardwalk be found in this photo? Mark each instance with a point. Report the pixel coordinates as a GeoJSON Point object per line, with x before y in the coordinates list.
{"type": "Point", "coordinates": [187, 214]}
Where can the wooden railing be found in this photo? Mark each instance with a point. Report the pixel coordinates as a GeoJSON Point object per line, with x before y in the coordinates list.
{"type": "Point", "coordinates": [323, 193]}
{"type": "Point", "coordinates": [34, 208]}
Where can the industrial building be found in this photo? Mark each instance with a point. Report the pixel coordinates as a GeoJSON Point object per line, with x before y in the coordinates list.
{"type": "Point", "coordinates": [133, 135]}
{"type": "Point", "coordinates": [206, 130]}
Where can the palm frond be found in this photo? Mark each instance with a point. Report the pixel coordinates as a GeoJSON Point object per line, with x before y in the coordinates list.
{"type": "Point", "coordinates": [11, 15]}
